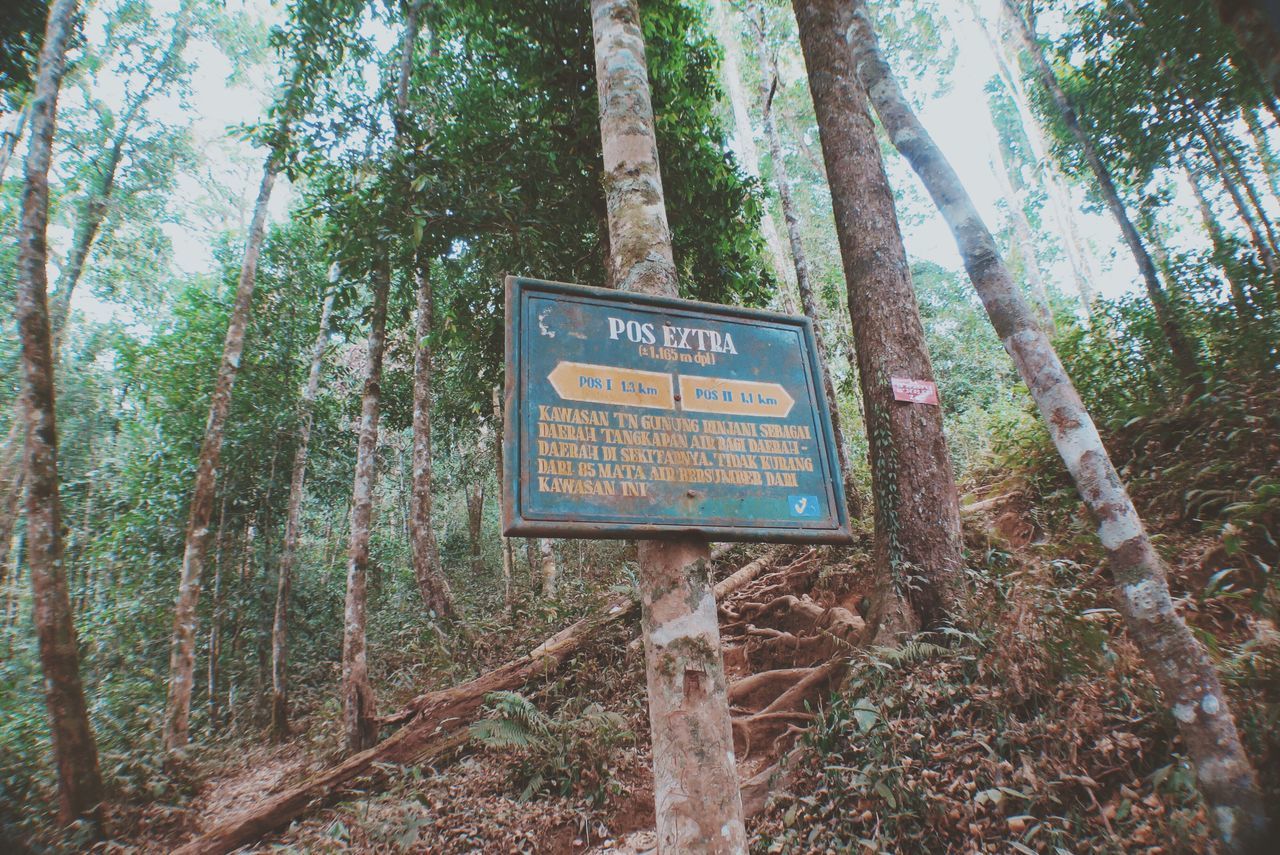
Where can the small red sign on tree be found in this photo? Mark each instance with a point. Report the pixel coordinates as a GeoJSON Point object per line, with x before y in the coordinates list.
{"type": "Point", "coordinates": [914, 391]}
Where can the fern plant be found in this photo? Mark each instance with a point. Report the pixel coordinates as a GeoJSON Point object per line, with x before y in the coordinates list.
{"type": "Point", "coordinates": [566, 754]}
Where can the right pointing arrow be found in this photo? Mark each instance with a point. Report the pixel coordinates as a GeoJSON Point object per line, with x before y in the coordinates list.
{"type": "Point", "coordinates": [734, 397]}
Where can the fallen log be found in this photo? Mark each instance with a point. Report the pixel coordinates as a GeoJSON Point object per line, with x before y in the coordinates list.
{"type": "Point", "coordinates": [433, 724]}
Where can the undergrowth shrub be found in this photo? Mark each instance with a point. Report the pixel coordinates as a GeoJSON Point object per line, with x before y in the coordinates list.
{"type": "Point", "coordinates": [569, 753]}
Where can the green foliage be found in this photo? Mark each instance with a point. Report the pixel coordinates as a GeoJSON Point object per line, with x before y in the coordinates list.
{"type": "Point", "coordinates": [570, 753]}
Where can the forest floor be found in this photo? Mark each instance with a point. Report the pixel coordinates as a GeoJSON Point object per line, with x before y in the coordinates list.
{"type": "Point", "coordinates": [1034, 728]}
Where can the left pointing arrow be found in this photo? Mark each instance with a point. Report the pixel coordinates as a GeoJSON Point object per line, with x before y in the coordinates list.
{"type": "Point", "coordinates": [607, 384]}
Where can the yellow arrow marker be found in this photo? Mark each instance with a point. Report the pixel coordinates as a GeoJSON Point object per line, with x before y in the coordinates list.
{"type": "Point", "coordinates": [734, 397]}
{"type": "Point", "coordinates": [607, 384]}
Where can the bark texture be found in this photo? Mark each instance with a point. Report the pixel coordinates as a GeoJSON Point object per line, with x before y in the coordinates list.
{"type": "Point", "coordinates": [292, 526]}
{"type": "Point", "coordinates": [917, 510]}
{"type": "Point", "coordinates": [1181, 348]}
{"type": "Point", "coordinates": [1180, 664]}
{"type": "Point", "coordinates": [358, 703]}
{"type": "Point", "coordinates": [547, 568]}
{"type": "Point", "coordinates": [427, 569]}
{"type": "Point", "coordinates": [790, 212]}
{"type": "Point", "coordinates": [74, 748]}
{"type": "Point", "coordinates": [697, 802]}
{"type": "Point", "coordinates": [183, 647]}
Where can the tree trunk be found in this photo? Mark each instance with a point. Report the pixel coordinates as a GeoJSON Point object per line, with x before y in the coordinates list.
{"type": "Point", "coordinates": [1266, 157]}
{"type": "Point", "coordinates": [917, 514]}
{"type": "Point", "coordinates": [504, 543]}
{"type": "Point", "coordinates": [182, 652]}
{"type": "Point", "coordinates": [547, 568]}
{"type": "Point", "coordinates": [1183, 351]}
{"type": "Point", "coordinates": [750, 155]}
{"type": "Point", "coordinates": [1180, 664]}
{"type": "Point", "coordinates": [1256, 24]}
{"type": "Point", "coordinates": [1221, 249]}
{"type": "Point", "coordinates": [698, 804]}
{"type": "Point", "coordinates": [475, 519]}
{"type": "Point", "coordinates": [75, 751]}
{"type": "Point", "coordinates": [782, 180]}
{"type": "Point", "coordinates": [11, 139]}
{"type": "Point", "coordinates": [426, 552]}
{"type": "Point", "coordinates": [1261, 246]}
{"type": "Point", "coordinates": [1025, 240]}
{"type": "Point", "coordinates": [1060, 207]}
{"type": "Point", "coordinates": [215, 622]}
{"type": "Point", "coordinates": [292, 526]}
{"type": "Point", "coordinates": [358, 701]}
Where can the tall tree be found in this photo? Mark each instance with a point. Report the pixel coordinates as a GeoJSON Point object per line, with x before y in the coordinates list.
{"type": "Point", "coordinates": [177, 717]}
{"type": "Point", "coordinates": [917, 514]}
{"type": "Point", "coordinates": [75, 751]}
{"type": "Point", "coordinates": [358, 701]}
{"type": "Point", "coordinates": [697, 801]}
{"type": "Point", "coordinates": [427, 568]}
{"type": "Point", "coordinates": [1181, 665]}
{"type": "Point", "coordinates": [292, 525]}
{"type": "Point", "coordinates": [769, 81]}
{"type": "Point", "coordinates": [1181, 348]}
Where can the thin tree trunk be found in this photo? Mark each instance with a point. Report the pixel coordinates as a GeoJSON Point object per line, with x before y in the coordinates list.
{"type": "Point", "coordinates": [1184, 358]}
{"type": "Point", "coordinates": [1266, 157]}
{"type": "Point", "coordinates": [426, 552]}
{"type": "Point", "coordinates": [782, 180]}
{"type": "Point", "coordinates": [1221, 249]}
{"type": "Point", "coordinates": [917, 514]}
{"type": "Point", "coordinates": [182, 654]}
{"type": "Point", "coordinates": [750, 155]}
{"type": "Point", "coordinates": [215, 622]}
{"type": "Point", "coordinates": [698, 803]}
{"type": "Point", "coordinates": [11, 139]}
{"type": "Point", "coordinates": [1180, 664]}
{"type": "Point", "coordinates": [503, 542]}
{"type": "Point", "coordinates": [12, 478]}
{"type": "Point", "coordinates": [1047, 173]}
{"type": "Point", "coordinates": [75, 750]}
{"type": "Point", "coordinates": [1260, 244]}
{"type": "Point", "coordinates": [475, 518]}
{"type": "Point", "coordinates": [292, 528]}
{"type": "Point", "coordinates": [358, 701]}
{"type": "Point", "coordinates": [1025, 240]}
{"type": "Point", "coordinates": [547, 568]}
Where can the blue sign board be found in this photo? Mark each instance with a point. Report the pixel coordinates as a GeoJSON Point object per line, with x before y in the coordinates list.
{"type": "Point", "coordinates": [637, 416]}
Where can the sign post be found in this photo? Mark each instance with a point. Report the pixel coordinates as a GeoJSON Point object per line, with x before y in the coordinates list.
{"type": "Point", "coordinates": [638, 416]}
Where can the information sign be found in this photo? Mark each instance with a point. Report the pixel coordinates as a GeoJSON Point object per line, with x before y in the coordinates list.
{"type": "Point", "coordinates": [638, 416]}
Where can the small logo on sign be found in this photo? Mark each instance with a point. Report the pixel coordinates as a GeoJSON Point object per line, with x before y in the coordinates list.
{"type": "Point", "coordinates": [804, 506]}
{"type": "Point", "coordinates": [914, 391]}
